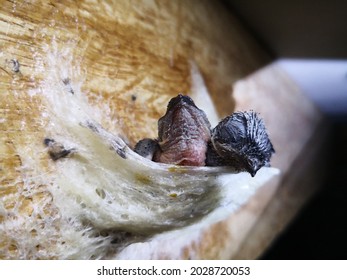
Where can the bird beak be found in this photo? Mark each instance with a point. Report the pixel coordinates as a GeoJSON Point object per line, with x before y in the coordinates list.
{"type": "Point", "coordinates": [253, 167]}
{"type": "Point", "coordinates": [252, 171]}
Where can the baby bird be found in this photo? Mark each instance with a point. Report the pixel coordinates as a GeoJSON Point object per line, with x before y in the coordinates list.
{"type": "Point", "coordinates": [185, 138]}
{"type": "Point", "coordinates": [240, 141]}
{"type": "Point", "coordinates": [183, 134]}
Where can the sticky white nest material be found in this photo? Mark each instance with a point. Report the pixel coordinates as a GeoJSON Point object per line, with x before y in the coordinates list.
{"type": "Point", "coordinates": [106, 188]}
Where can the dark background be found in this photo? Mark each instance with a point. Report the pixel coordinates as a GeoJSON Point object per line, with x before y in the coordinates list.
{"type": "Point", "coordinates": [320, 229]}
{"type": "Point", "coordinates": [296, 28]}
{"type": "Point", "coordinates": [309, 29]}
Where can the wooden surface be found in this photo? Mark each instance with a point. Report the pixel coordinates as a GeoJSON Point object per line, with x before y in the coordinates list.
{"type": "Point", "coordinates": [134, 56]}
{"type": "Point", "coordinates": [300, 133]}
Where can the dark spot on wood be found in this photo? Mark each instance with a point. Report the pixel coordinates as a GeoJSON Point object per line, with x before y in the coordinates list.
{"type": "Point", "coordinates": [48, 141]}
{"type": "Point", "coordinates": [67, 83]}
{"type": "Point", "coordinates": [57, 150]}
{"type": "Point", "coordinates": [121, 152]}
{"type": "Point", "coordinates": [15, 65]}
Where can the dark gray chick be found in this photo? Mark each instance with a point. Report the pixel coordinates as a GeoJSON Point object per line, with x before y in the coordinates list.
{"type": "Point", "coordinates": [240, 141]}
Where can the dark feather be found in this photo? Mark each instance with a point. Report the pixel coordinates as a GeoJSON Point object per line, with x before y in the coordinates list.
{"type": "Point", "coordinates": [241, 141]}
